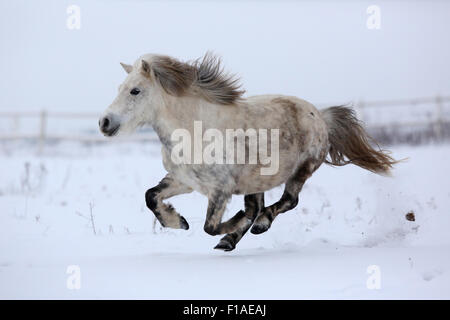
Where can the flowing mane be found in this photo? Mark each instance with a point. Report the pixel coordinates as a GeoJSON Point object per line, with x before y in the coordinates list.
{"type": "Point", "coordinates": [204, 76]}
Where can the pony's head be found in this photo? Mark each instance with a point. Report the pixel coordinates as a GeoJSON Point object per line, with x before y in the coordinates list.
{"type": "Point", "coordinates": [154, 77]}
{"type": "Point", "coordinates": [133, 105]}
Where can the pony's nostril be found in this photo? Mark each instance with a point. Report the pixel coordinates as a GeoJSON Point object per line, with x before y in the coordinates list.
{"type": "Point", "coordinates": [104, 123]}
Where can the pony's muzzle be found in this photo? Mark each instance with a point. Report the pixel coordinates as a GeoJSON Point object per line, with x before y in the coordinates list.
{"type": "Point", "coordinates": [109, 125]}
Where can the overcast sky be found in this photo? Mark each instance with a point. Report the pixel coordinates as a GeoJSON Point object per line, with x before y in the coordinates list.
{"type": "Point", "coordinates": [321, 51]}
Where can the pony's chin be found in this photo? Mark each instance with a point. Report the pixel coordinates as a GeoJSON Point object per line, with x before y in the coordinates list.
{"type": "Point", "coordinates": [123, 131]}
{"type": "Point", "coordinates": [112, 133]}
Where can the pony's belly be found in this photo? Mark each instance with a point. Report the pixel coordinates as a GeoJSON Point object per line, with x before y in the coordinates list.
{"type": "Point", "coordinates": [253, 181]}
{"type": "Point", "coordinates": [257, 187]}
{"type": "Point", "coordinates": [205, 179]}
{"type": "Point", "coordinates": [186, 175]}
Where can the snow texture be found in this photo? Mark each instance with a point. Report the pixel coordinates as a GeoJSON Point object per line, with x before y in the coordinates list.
{"type": "Point", "coordinates": [347, 220]}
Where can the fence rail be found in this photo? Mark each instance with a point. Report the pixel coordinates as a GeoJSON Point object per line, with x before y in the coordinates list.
{"type": "Point", "coordinates": [438, 127]}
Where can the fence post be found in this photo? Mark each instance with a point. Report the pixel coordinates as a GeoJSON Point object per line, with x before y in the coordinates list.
{"type": "Point", "coordinates": [42, 130]}
{"type": "Point", "coordinates": [438, 125]}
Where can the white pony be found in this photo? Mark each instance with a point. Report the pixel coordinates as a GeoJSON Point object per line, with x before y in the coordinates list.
{"type": "Point", "coordinates": [171, 95]}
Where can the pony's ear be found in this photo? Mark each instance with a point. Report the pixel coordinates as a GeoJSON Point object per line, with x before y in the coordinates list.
{"type": "Point", "coordinates": [126, 67]}
{"type": "Point", "coordinates": [174, 76]}
{"type": "Point", "coordinates": [145, 67]}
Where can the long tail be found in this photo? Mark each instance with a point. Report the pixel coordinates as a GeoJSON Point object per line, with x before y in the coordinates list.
{"type": "Point", "coordinates": [350, 143]}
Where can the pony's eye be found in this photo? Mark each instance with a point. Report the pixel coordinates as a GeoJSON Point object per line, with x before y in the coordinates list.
{"type": "Point", "coordinates": [135, 91]}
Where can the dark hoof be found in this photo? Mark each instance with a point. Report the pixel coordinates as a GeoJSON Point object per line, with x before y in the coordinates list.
{"type": "Point", "coordinates": [259, 228]}
{"type": "Point", "coordinates": [183, 223]}
{"type": "Point", "coordinates": [225, 245]}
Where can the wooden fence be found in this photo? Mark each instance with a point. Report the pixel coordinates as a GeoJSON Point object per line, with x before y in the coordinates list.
{"type": "Point", "coordinates": [434, 127]}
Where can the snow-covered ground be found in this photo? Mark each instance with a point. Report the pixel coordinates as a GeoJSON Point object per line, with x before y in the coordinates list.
{"type": "Point", "coordinates": [347, 220]}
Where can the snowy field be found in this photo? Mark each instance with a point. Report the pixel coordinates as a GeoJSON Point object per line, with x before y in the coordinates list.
{"type": "Point", "coordinates": [347, 220]}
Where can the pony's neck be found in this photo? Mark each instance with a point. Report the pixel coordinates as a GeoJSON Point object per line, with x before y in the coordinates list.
{"type": "Point", "coordinates": [176, 113]}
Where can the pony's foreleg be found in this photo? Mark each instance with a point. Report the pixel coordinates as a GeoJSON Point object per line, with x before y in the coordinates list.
{"type": "Point", "coordinates": [288, 201]}
{"type": "Point", "coordinates": [216, 207]}
{"type": "Point", "coordinates": [253, 205]}
{"type": "Point", "coordinates": [165, 213]}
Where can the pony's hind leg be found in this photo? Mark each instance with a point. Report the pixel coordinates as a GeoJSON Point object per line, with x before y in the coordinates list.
{"type": "Point", "coordinates": [165, 213]}
{"type": "Point", "coordinates": [253, 205]}
{"type": "Point", "coordinates": [288, 201]}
